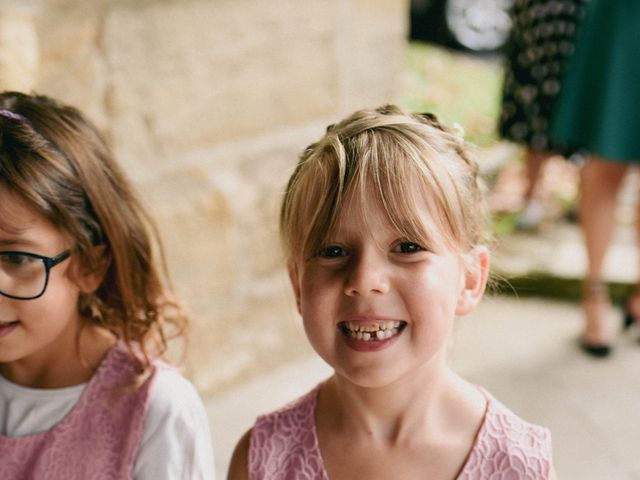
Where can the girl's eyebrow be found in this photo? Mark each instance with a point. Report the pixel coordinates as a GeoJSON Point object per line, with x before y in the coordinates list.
{"type": "Point", "coordinates": [10, 242]}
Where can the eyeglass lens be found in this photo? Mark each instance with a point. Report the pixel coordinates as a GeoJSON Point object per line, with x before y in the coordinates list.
{"type": "Point", "coordinates": [22, 275]}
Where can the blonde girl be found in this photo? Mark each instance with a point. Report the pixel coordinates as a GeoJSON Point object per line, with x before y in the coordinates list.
{"type": "Point", "coordinates": [383, 226]}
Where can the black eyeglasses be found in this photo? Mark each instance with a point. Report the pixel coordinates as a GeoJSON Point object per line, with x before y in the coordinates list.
{"type": "Point", "coordinates": [25, 276]}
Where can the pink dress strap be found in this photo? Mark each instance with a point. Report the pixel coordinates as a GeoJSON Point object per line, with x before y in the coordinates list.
{"type": "Point", "coordinates": [508, 447]}
{"type": "Point", "coordinates": [98, 439]}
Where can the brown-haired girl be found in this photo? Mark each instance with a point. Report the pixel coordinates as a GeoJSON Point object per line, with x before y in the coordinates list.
{"type": "Point", "coordinates": [85, 313]}
{"type": "Point", "coordinates": [383, 228]}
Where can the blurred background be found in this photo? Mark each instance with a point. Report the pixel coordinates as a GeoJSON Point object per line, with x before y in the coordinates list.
{"type": "Point", "coordinates": [207, 103]}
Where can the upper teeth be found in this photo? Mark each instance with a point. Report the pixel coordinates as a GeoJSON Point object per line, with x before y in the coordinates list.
{"type": "Point", "coordinates": [372, 327]}
{"type": "Point", "coordinates": [375, 330]}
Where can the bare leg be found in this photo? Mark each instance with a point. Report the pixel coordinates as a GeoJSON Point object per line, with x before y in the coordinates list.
{"type": "Point", "coordinates": [534, 161]}
{"type": "Point", "coordinates": [633, 303]}
{"type": "Point", "coordinates": [600, 186]}
{"type": "Point", "coordinates": [533, 211]}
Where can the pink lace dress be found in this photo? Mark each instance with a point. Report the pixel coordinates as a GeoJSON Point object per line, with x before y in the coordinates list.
{"type": "Point", "coordinates": [284, 445]}
{"type": "Point", "coordinates": [97, 440]}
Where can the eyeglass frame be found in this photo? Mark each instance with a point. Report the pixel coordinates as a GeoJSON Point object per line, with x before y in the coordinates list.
{"type": "Point", "coordinates": [49, 263]}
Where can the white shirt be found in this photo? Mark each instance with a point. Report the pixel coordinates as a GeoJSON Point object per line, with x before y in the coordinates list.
{"type": "Point", "coordinates": [176, 444]}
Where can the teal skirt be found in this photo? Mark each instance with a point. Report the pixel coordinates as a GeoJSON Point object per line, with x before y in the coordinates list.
{"type": "Point", "coordinates": [598, 108]}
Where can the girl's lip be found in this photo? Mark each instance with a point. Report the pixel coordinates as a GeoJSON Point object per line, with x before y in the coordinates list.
{"type": "Point", "coordinates": [7, 327]}
{"type": "Point", "coordinates": [371, 335]}
{"type": "Point", "coordinates": [369, 318]}
{"type": "Point", "coordinates": [370, 346]}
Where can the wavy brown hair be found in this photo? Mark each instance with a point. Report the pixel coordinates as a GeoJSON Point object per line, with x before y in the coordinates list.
{"type": "Point", "coordinates": [55, 159]}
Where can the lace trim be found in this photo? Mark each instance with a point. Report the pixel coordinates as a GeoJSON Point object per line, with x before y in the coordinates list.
{"type": "Point", "coordinates": [284, 445]}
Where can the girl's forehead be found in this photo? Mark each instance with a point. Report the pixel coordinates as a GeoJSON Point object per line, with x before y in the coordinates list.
{"type": "Point", "coordinates": [398, 207]}
{"type": "Point", "coordinates": [367, 213]}
{"type": "Point", "coordinates": [18, 218]}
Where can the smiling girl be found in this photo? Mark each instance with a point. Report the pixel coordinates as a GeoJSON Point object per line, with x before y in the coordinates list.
{"type": "Point", "coordinates": [383, 227]}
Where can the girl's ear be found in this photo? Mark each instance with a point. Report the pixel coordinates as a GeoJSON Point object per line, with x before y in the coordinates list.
{"type": "Point", "coordinates": [295, 283]}
{"type": "Point", "coordinates": [476, 265]}
{"type": "Point", "coordinates": [88, 281]}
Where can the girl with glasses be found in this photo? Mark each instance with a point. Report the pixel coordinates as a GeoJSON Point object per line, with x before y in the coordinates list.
{"type": "Point", "coordinates": [85, 313]}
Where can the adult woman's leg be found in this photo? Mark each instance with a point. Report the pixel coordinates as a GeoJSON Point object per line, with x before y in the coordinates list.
{"type": "Point", "coordinates": [534, 160]}
{"type": "Point", "coordinates": [632, 306]}
{"type": "Point", "coordinates": [601, 181]}
{"type": "Point", "coordinates": [533, 211]}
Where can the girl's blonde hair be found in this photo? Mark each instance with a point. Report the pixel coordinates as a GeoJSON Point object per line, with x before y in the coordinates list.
{"type": "Point", "coordinates": [56, 160]}
{"type": "Point", "coordinates": [391, 158]}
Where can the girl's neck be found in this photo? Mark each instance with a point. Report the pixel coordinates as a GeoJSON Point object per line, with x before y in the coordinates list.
{"type": "Point", "coordinates": [74, 367]}
{"type": "Point", "coordinates": [395, 413]}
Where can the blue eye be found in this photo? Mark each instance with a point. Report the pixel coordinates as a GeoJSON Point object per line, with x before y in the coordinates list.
{"type": "Point", "coordinates": [408, 247]}
{"type": "Point", "coordinates": [332, 251]}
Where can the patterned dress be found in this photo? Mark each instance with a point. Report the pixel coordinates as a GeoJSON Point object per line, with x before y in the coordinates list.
{"type": "Point", "coordinates": [598, 108]}
{"type": "Point", "coordinates": [284, 445]}
{"type": "Point", "coordinates": [541, 41]}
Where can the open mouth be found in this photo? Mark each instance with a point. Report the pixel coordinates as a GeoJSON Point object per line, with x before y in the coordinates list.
{"type": "Point", "coordinates": [372, 332]}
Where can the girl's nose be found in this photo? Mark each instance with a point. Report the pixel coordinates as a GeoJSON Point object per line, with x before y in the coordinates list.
{"type": "Point", "coordinates": [366, 275]}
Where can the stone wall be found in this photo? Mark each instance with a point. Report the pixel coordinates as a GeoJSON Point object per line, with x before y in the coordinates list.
{"type": "Point", "coordinates": [207, 103]}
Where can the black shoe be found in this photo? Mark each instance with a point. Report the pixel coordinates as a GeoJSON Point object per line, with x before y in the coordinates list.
{"type": "Point", "coordinates": [597, 350]}
{"type": "Point", "coordinates": [628, 321]}
{"type": "Point", "coordinates": [595, 296]}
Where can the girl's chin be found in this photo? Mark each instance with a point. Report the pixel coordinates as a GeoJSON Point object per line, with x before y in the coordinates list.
{"type": "Point", "coordinates": [369, 380]}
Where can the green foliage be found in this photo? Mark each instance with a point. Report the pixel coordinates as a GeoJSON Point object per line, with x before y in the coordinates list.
{"type": "Point", "coordinates": [457, 87]}
{"type": "Point", "coordinates": [544, 284]}
{"type": "Point", "coordinates": [504, 224]}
